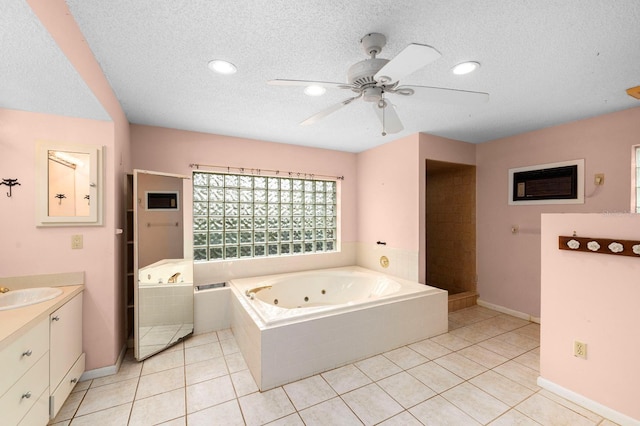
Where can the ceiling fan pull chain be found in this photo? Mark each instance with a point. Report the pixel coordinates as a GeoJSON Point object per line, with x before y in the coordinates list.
{"type": "Point", "coordinates": [382, 103]}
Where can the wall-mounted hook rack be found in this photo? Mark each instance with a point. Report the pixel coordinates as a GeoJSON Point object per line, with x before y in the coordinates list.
{"type": "Point", "coordinates": [60, 197]}
{"type": "Point", "coordinates": [10, 183]}
{"type": "Point", "coordinates": [88, 198]}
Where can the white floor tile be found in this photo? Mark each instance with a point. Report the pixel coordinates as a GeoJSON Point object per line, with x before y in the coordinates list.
{"type": "Point", "coordinates": [332, 412]}
{"type": "Point", "coordinates": [345, 379]}
{"type": "Point", "coordinates": [460, 366]}
{"type": "Point", "coordinates": [405, 357]}
{"type": "Point", "coordinates": [108, 396]}
{"type": "Point", "coordinates": [260, 408]}
{"type": "Point", "coordinates": [225, 414]}
{"type": "Point", "coordinates": [211, 392]}
{"type": "Point", "coordinates": [475, 402]}
{"type": "Point", "coordinates": [310, 391]}
{"type": "Point", "coordinates": [406, 389]}
{"type": "Point", "coordinates": [243, 383]}
{"type": "Point", "coordinates": [205, 370]}
{"type": "Point", "coordinates": [506, 390]}
{"type": "Point", "coordinates": [435, 377]}
{"type": "Point", "coordinates": [548, 412]}
{"type": "Point", "coordinates": [377, 367]}
{"type": "Point", "coordinates": [371, 404]}
{"type": "Point", "coordinates": [437, 411]}
{"type": "Point", "coordinates": [158, 408]}
{"type": "Point", "coordinates": [160, 382]}
{"type": "Point", "coordinates": [114, 416]}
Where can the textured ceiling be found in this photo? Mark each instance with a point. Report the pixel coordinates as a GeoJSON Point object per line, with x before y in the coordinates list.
{"type": "Point", "coordinates": [544, 62]}
{"type": "Point", "coordinates": [36, 75]}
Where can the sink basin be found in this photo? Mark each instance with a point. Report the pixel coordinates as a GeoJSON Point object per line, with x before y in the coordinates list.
{"type": "Point", "coordinates": [28, 296]}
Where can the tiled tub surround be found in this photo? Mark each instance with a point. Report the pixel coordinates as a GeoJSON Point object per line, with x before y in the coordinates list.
{"type": "Point", "coordinates": [483, 371]}
{"type": "Point", "coordinates": [300, 347]}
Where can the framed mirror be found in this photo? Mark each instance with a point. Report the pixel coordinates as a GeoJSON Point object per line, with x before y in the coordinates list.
{"type": "Point", "coordinates": [69, 184]}
{"type": "Point", "coordinates": [163, 264]}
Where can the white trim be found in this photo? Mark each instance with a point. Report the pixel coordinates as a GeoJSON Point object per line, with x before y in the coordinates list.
{"type": "Point", "coordinates": [580, 178]}
{"type": "Point", "coordinates": [105, 371]}
{"type": "Point", "coordinates": [587, 403]}
{"type": "Point", "coordinates": [508, 311]}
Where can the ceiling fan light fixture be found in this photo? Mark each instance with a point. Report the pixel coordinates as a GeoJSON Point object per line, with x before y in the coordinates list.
{"type": "Point", "coordinates": [465, 67]}
{"type": "Point", "coordinates": [222, 67]}
{"type": "Point", "coordinates": [314, 90]}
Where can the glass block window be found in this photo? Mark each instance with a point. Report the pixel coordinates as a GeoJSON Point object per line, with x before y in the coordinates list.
{"type": "Point", "coordinates": [239, 216]}
{"type": "Point", "coordinates": [637, 176]}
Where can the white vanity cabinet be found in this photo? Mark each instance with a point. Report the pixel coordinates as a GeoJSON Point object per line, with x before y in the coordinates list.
{"type": "Point", "coordinates": [66, 359]}
{"type": "Point", "coordinates": [24, 372]}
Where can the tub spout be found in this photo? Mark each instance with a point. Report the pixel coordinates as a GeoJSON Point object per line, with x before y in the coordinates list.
{"type": "Point", "coordinates": [3, 289]}
{"type": "Point", "coordinates": [173, 278]}
{"type": "Point", "coordinates": [255, 290]}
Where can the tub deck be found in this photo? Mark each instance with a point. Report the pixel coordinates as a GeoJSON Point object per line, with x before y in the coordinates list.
{"type": "Point", "coordinates": [285, 352]}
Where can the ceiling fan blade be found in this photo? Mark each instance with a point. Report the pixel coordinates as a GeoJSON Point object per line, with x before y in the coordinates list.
{"type": "Point", "coordinates": [390, 121]}
{"type": "Point", "coordinates": [280, 82]}
{"type": "Point", "coordinates": [448, 96]}
{"type": "Point", "coordinates": [411, 59]}
{"type": "Point", "coordinates": [322, 114]}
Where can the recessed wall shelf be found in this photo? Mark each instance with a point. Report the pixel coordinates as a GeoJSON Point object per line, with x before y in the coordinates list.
{"type": "Point", "coordinates": [600, 245]}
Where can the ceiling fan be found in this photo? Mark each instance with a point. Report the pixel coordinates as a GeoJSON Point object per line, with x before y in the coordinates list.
{"type": "Point", "coordinates": [373, 78]}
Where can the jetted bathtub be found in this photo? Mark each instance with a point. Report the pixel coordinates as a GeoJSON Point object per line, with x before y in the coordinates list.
{"type": "Point", "coordinates": [292, 326]}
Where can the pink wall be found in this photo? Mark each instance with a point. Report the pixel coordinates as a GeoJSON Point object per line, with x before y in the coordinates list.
{"type": "Point", "coordinates": [101, 258]}
{"type": "Point", "coordinates": [388, 183]}
{"type": "Point", "coordinates": [27, 250]}
{"type": "Point", "coordinates": [508, 264]}
{"type": "Point", "coordinates": [592, 298]}
{"type": "Point", "coordinates": [171, 151]}
{"type": "Point", "coordinates": [392, 190]}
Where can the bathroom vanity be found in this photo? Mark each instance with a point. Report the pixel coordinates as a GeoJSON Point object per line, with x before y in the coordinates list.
{"type": "Point", "coordinates": [41, 357]}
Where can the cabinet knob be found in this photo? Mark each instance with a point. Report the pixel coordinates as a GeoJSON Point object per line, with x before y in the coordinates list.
{"type": "Point", "coordinates": [56, 318]}
{"type": "Point", "coordinates": [27, 353]}
{"type": "Point", "coordinates": [27, 395]}
{"type": "Point", "coordinates": [74, 380]}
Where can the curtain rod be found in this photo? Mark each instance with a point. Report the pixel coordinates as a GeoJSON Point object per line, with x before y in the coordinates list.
{"type": "Point", "coordinates": [255, 171]}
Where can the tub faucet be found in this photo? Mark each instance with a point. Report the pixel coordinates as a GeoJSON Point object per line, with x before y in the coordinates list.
{"type": "Point", "coordinates": [173, 278]}
{"type": "Point", "coordinates": [3, 289]}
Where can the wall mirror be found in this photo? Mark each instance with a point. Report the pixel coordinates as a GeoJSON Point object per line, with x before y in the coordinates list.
{"type": "Point", "coordinates": [69, 184]}
{"type": "Point", "coordinates": [163, 290]}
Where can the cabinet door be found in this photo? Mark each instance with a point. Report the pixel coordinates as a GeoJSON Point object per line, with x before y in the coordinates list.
{"type": "Point", "coordinates": [66, 339]}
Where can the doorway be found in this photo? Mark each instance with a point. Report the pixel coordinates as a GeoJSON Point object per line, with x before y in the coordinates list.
{"type": "Point", "coordinates": [451, 231]}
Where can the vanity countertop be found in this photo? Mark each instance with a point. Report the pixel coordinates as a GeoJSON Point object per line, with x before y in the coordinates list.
{"type": "Point", "coordinates": [15, 322]}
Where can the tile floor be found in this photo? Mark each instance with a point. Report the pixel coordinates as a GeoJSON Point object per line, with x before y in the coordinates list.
{"type": "Point", "coordinates": [483, 371]}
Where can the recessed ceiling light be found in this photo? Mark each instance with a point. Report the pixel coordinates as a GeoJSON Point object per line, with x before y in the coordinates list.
{"type": "Point", "coordinates": [314, 90]}
{"type": "Point", "coordinates": [222, 67]}
{"type": "Point", "coordinates": [465, 67]}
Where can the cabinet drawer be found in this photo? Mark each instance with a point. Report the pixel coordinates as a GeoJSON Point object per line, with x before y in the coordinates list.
{"type": "Point", "coordinates": [22, 354]}
{"type": "Point", "coordinates": [20, 397]}
{"type": "Point", "coordinates": [39, 413]}
{"type": "Point", "coordinates": [59, 395]}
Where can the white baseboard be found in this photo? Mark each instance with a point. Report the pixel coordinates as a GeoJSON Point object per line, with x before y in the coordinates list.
{"type": "Point", "coordinates": [587, 403]}
{"type": "Point", "coordinates": [508, 311]}
{"type": "Point", "coordinates": [105, 371]}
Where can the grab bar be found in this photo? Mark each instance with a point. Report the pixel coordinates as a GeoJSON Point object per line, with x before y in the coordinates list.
{"type": "Point", "coordinates": [256, 289]}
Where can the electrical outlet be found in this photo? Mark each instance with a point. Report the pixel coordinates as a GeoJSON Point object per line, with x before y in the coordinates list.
{"type": "Point", "coordinates": [76, 241]}
{"type": "Point", "coordinates": [580, 349]}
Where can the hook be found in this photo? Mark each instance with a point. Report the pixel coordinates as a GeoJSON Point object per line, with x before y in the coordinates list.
{"type": "Point", "coordinates": [60, 197]}
{"type": "Point", "coordinates": [10, 183]}
{"type": "Point", "coordinates": [88, 198]}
